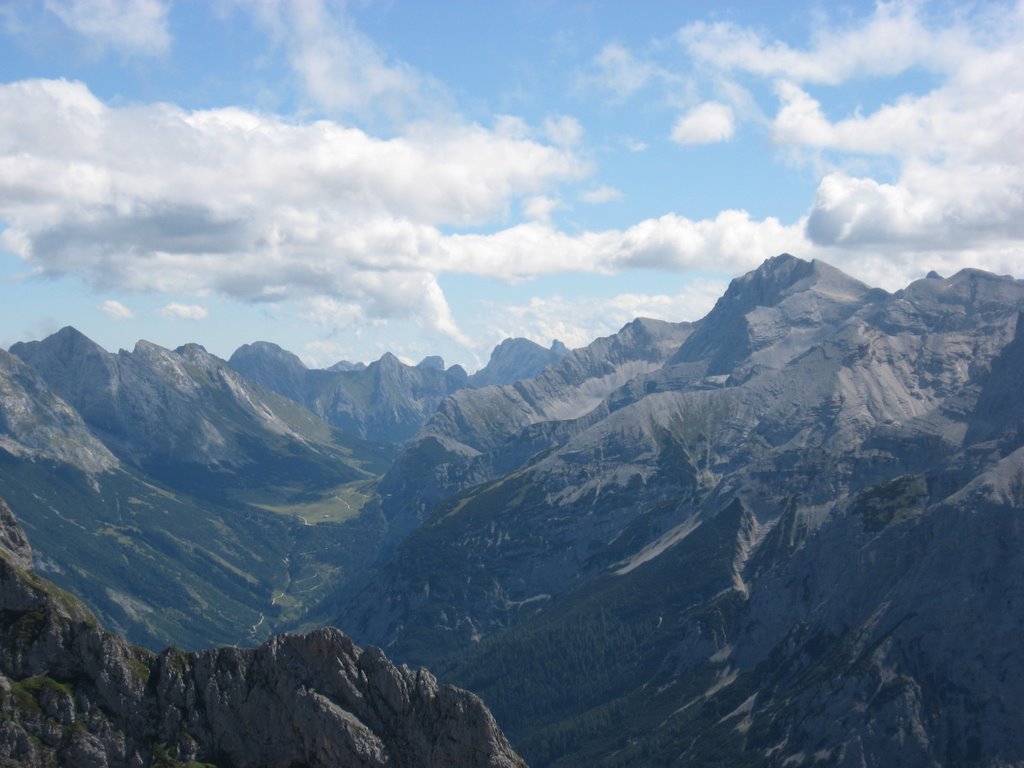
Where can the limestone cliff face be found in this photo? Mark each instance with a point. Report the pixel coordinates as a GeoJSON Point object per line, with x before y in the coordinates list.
{"type": "Point", "coordinates": [386, 401]}
{"type": "Point", "coordinates": [36, 423]}
{"type": "Point", "coordinates": [795, 540]}
{"type": "Point", "coordinates": [515, 360]}
{"type": "Point", "coordinates": [155, 407]}
{"type": "Point", "coordinates": [72, 694]}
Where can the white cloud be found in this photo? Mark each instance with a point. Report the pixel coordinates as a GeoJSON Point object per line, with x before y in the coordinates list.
{"type": "Point", "coordinates": [340, 68]}
{"type": "Point", "coordinates": [330, 313]}
{"type": "Point", "coordinates": [959, 150]}
{"type": "Point", "coordinates": [563, 130]}
{"type": "Point", "coordinates": [355, 229]}
{"type": "Point", "coordinates": [578, 321]}
{"type": "Point", "coordinates": [178, 311]}
{"type": "Point", "coordinates": [116, 310]}
{"type": "Point", "coordinates": [890, 41]}
{"type": "Point", "coordinates": [731, 242]}
{"type": "Point", "coordinates": [705, 124]}
{"type": "Point", "coordinates": [540, 207]}
{"type": "Point", "coordinates": [153, 197]}
{"type": "Point", "coordinates": [952, 153]}
{"type": "Point", "coordinates": [619, 72]}
{"type": "Point", "coordinates": [134, 26]}
{"type": "Point", "coordinates": [323, 353]}
{"type": "Point", "coordinates": [601, 194]}
{"type": "Point", "coordinates": [947, 207]}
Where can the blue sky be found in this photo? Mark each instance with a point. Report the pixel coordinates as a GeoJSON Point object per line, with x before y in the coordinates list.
{"type": "Point", "coordinates": [347, 179]}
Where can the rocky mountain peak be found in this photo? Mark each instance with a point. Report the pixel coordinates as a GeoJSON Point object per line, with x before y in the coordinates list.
{"type": "Point", "coordinates": [36, 422]}
{"type": "Point", "coordinates": [962, 301]}
{"type": "Point", "coordinates": [275, 368]}
{"type": "Point", "coordinates": [66, 342]}
{"type": "Point", "coordinates": [388, 361]}
{"type": "Point", "coordinates": [63, 352]}
{"type": "Point", "coordinates": [762, 309]}
{"type": "Point", "coordinates": [783, 276]}
{"type": "Point", "coordinates": [192, 351]}
{"type": "Point", "coordinates": [435, 362]}
{"type": "Point", "coordinates": [263, 353]}
{"type": "Point", "coordinates": [148, 348]}
{"type": "Point", "coordinates": [386, 400]}
{"type": "Point", "coordinates": [974, 288]}
{"type": "Point", "coordinates": [516, 359]}
{"type": "Point", "coordinates": [347, 365]}
{"type": "Point", "coordinates": [643, 329]}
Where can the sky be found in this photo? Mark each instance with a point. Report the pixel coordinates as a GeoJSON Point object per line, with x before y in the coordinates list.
{"type": "Point", "coordinates": [433, 176]}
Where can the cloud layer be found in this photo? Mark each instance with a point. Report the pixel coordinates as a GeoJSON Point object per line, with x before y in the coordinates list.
{"type": "Point", "coordinates": [706, 123]}
{"type": "Point", "coordinates": [157, 198]}
{"type": "Point", "coordinates": [354, 226]}
{"type": "Point", "coordinates": [576, 322]}
{"type": "Point", "coordinates": [136, 27]}
{"type": "Point", "coordinates": [953, 193]}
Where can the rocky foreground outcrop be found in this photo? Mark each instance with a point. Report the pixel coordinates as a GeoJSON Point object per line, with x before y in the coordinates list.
{"type": "Point", "coordinates": [72, 694]}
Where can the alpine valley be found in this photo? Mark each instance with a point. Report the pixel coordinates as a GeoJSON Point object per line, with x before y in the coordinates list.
{"type": "Point", "coordinates": [790, 533]}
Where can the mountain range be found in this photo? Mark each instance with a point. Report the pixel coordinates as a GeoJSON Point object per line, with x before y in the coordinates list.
{"type": "Point", "coordinates": [785, 534]}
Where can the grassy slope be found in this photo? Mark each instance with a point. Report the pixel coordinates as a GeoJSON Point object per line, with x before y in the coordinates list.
{"type": "Point", "coordinates": [165, 567]}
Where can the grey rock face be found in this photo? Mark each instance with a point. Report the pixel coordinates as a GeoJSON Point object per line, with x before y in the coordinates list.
{"type": "Point", "coordinates": [385, 401]}
{"type": "Point", "coordinates": [158, 405]}
{"type": "Point", "coordinates": [274, 367]}
{"type": "Point", "coordinates": [184, 416]}
{"type": "Point", "coordinates": [13, 542]}
{"type": "Point", "coordinates": [479, 434]}
{"type": "Point", "coordinates": [74, 695]}
{"type": "Point", "coordinates": [34, 421]}
{"type": "Point", "coordinates": [770, 526]}
{"type": "Point", "coordinates": [517, 359]}
{"type": "Point", "coordinates": [432, 361]}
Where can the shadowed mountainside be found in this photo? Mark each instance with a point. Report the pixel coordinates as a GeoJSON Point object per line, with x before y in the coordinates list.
{"type": "Point", "coordinates": [73, 694]}
{"type": "Point", "coordinates": [777, 541]}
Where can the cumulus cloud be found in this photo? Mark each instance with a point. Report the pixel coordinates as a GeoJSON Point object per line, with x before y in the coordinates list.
{"type": "Point", "coordinates": [891, 40]}
{"type": "Point", "coordinates": [178, 311]}
{"type": "Point", "coordinates": [115, 310]}
{"type": "Point", "coordinates": [154, 197]}
{"type": "Point", "coordinates": [342, 69]}
{"type": "Point", "coordinates": [953, 154]}
{"type": "Point", "coordinates": [326, 312]}
{"type": "Point", "coordinates": [617, 72]}
{"type": "Point", "coordinates": [707, 123]}
{"type": "Point", "coordinates": [576, 322]}
{"type": "Point", "coordinates": [731, 242]}
{"type": "Point", "coordinates": [540, 207]}
{"type": "Point", "coordinates": [323, 353]}
{"type": "Point", "coordinates": [960, 153]}
{"type": "Point", "coordinates": [137, 27]}
{"type": "Point", "coordinates": [601, 194]}
{"type": "Point", "coordinates": [563, 130]}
